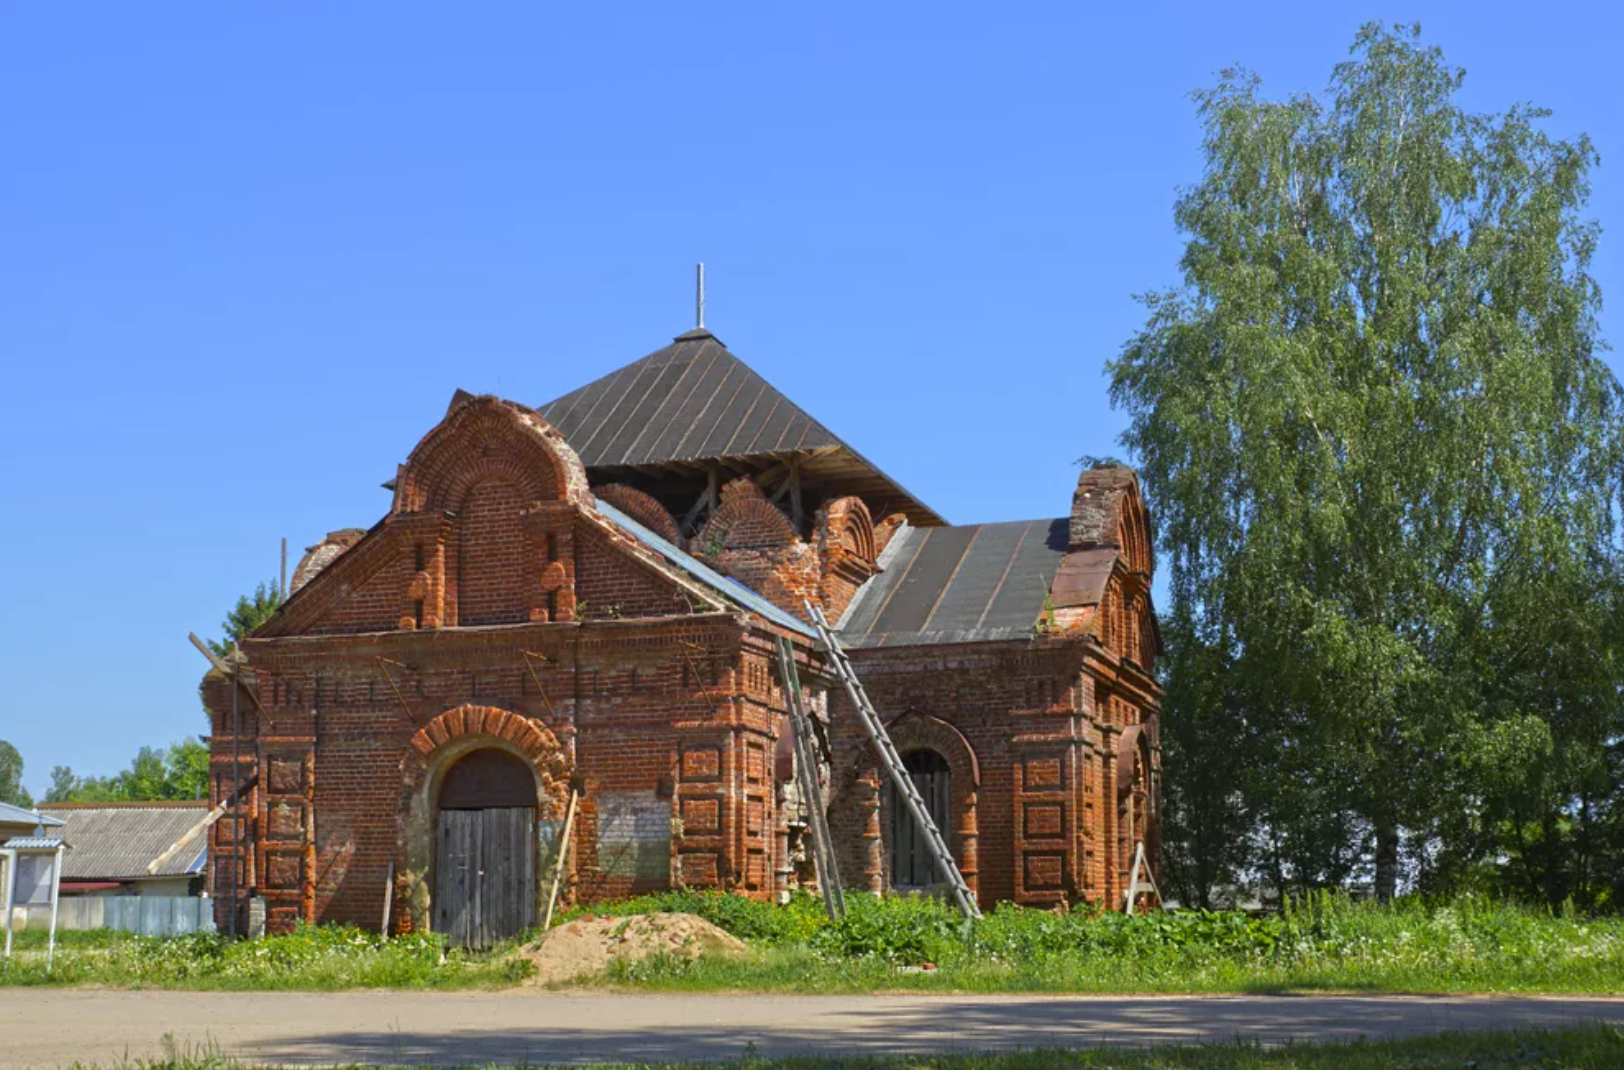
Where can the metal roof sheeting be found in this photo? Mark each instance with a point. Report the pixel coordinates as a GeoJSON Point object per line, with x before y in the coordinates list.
{"type": "Point", "coordinates": [16, 815]}
{"type": "Point", "coordinates": [695, 401]}
{"type": "Point", "coordinates": [730, 589]}
{"type": "Point", "coordinates": [691, 400]}
{"type": "Point", "coordinates": [119, 842]}
{"type": "Point", "coordinates": [963, 584]}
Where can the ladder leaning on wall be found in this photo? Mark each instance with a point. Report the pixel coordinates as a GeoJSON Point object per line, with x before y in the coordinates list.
{"type": "Point", "coordinates": [806, 771]}
{"type": "Point", "coordinates": [892, 761]}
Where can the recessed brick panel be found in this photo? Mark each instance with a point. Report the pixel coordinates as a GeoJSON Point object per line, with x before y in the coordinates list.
{"type": "Point", "coordinates": [700, 816]}
{"type": "Point", "coordinates": [286, 775]}
{"type": "Point", "coordinates": [286, 822]}
{"type": "Point", "coordinates": [700, 870]}
{"type": "Point", "coordinates": [1044, 819]}
{"type": "Point", "coordinates": [1042, 774]}
{"type": "Point", "coordinates": [1045, 871]}
{"type": "Point", "coordinates": [701, 763]}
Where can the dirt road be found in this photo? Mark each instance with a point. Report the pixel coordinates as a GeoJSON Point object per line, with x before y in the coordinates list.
{"type": "Point", "coordinates": [53, 1028]}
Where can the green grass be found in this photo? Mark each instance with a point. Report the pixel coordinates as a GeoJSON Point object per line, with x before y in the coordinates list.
{"type": "Point", "coordinates": [1584, 1048]}
{"type": "Point", "coordinates": [1324, 944]}
{"type": "Point", "coordinates": [326, 958]}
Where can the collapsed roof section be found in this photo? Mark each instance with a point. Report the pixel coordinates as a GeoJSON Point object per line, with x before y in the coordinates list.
{"type": "Point", "coordinates": [693, 410]}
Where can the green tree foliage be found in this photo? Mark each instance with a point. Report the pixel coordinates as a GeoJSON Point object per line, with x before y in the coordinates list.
{"type": "Point", "coordinates": [180, 771]}
{"type": "Point", "coordinates": [249, 613]}
{"type": "Point", "coordinates": [11, 777]}
{"type": "Point", "coordinates": [1385, 456]}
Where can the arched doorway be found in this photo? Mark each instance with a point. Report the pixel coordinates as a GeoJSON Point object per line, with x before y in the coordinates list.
{"type": "Point", "coordinates": [485, 849]}
{"type": "Point", "coordinates": [911, 863]}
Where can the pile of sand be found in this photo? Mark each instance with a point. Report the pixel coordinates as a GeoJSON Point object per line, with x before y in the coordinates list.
{"type": "Point", "coordinates": [588, 945]}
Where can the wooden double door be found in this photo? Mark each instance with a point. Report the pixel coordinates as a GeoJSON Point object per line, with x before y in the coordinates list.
{"type": "Point", "coordinates": [485, 874]}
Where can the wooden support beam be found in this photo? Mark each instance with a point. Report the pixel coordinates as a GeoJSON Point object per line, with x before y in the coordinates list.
{"type": "Point", "coordinates": [202, 826]}
{"type": "Point", "coordinates": [796, 515]}
{"type": "Point", "coordinates": [383, 667]}
{"type": "Point", "coordinates": [551, 713]}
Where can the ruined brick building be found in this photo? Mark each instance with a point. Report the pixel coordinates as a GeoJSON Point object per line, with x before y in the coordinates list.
{"type": "Point", "coordinates": [589, 595]}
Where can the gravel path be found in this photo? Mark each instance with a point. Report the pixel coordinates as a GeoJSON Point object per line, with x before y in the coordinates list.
{"type": "Point", "coordinates": [58, 1027]}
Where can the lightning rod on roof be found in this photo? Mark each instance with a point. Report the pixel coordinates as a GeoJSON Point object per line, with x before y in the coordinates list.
{"type": "Point", "coordinates": [699, 300]}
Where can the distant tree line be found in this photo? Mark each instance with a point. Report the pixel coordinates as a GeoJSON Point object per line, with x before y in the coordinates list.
{"type": "Point", "coordinates": [1384, 455]}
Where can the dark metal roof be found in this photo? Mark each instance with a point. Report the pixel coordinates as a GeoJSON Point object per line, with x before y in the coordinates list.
{"type": "Point", "coordinates": [962, 584]}
{"type": "Point", "coordinates": [691, 400]}
{"type": "Point", "coordinates": [694, 401]}
{"type": "Point", "coordinates": [728, 588]}
{"type": "Point", "coordinates": [118, 842]}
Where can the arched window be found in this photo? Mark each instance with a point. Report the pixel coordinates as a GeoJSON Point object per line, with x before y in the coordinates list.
{"type": "Point", "coordinates": [912, 865]}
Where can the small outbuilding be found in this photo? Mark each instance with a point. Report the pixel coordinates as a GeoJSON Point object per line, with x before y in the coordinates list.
{"type": "Point", "coordinates": [116, 843]}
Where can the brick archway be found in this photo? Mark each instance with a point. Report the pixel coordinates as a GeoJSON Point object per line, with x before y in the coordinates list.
{"type": "Point", "coordinates": [915, 730]}
{"type": "Point", "coordinates": [433, 750]}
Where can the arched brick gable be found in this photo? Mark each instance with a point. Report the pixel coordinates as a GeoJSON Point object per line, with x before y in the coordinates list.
{"type": "Point", "coordinates": [746, 520]}
{"type": "Point", "coordinates": [433, 749]}
{"type": "Point", "coordinates": [749, 539]}
{"type": "Point", "coordinates": [641, 507]}
{"type": "Point", "coordinates": [1108, 512]}
{"type": "Point", "coordinates": [846, 545]}
{"type": "Point", "coordinates": [485, 438]}
{"type": "Point", "coordinates": [318, 557]}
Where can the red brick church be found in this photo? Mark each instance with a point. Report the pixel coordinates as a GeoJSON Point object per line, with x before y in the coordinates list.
{"type": "Point", "coordinates": [588, 596]}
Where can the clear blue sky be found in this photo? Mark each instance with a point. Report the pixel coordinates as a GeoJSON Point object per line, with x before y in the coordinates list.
{"type": "Point", "coordinates": [247, 252]}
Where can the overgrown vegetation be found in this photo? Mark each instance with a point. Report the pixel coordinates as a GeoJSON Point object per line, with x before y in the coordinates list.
{"type": "Point", "coordinates": [1582, 1048]}
{"type": "Point", "coordinates": [1323, 942]}
{"type": "Point", "coordinates": [328, 957]}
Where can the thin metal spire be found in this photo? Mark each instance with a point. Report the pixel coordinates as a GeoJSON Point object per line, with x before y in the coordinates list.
{"type": "Point", "coordinates": [699, 301]}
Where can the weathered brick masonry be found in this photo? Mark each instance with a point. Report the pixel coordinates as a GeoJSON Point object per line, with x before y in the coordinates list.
{"type": "Point", "coordinates": [545, 584]}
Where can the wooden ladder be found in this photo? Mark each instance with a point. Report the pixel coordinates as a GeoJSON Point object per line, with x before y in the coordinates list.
{"type": "Point", "coordinates": [806, 770]}
{"type": "Point", "coordinates": [893, 765]}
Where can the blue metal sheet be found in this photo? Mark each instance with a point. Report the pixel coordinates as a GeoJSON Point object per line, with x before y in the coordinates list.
{"type": "Point", "coordinates": [731, 589]}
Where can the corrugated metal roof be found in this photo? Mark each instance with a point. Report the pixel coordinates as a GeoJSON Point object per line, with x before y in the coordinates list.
{"type": "Point", "coordinates": [962, 584]}
{"type": "Point", "coordinates": [119, 842]}
{"type": "Point", "coordinates": [35, 843]}
{"type": "Point", "coordinates": [694, 401]}
{"type": "Point", "coordinates": [17, 815]}
{"type": "Point", "coordinates": [731, 589]}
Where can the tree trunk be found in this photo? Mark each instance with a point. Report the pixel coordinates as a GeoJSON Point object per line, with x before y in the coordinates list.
{"type": "Point", "coordinates": [1386, 863]}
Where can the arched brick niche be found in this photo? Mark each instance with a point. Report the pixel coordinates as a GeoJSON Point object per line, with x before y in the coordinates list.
{"type": "Point", "coordinates": [911, 731]}
{"type": "Point", "coordinates": [846, 546]}
{"type": "Point", "coordinates": [433, 750]}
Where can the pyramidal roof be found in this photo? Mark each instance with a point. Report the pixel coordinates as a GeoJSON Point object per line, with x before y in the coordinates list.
{"type": "Point", "coordinates": [693, 402]}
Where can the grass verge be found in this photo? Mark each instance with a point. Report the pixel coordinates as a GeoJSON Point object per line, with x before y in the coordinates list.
{"type": "Point", "coordinates": [325, 958]}
{"type": "Point", "coordinates": [1325, 944]}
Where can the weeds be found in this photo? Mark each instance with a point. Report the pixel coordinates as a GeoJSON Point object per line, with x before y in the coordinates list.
{"type": "Point", "coordinates": [1326, 942]}
{"type": "Point", "coordinates": [312, 958]}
